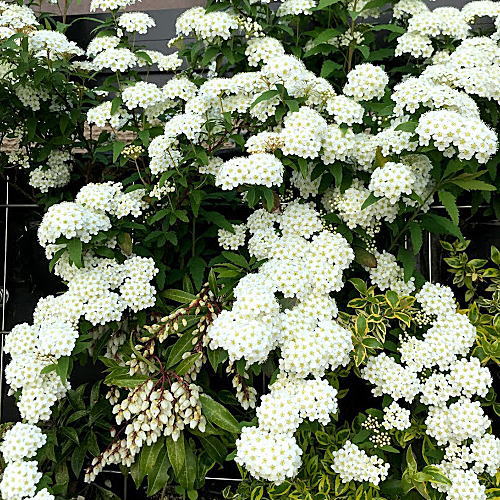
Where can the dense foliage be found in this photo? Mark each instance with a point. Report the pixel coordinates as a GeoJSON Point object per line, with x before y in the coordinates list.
{"type": "Point", "coordinates": [239, 250]}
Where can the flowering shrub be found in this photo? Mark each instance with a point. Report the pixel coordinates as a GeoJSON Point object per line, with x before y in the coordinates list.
{"type": "Point", "coordinates": [293, 150]}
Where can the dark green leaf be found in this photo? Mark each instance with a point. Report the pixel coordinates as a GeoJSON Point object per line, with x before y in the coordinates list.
{"type": "Point", "coordinates": [218, 415]}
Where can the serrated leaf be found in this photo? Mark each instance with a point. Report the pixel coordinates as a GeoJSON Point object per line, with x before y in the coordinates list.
{"type": "Point", "coordinates": [117, 149]}
{"type": "Point", "coordinates": [450, 204]}
{"type": "Point", "coordinates": [416, 237]}
{"type": "Point", "coordinates": [74, 247]}
{"type": "Point", "coordinates": [409, 262]}
{"type": "Point", "coordinates": [473, 185]}
{"type": "Point", "coordinates": [218, 414]}
{"type": "Point", "coordinates": [438, 225]}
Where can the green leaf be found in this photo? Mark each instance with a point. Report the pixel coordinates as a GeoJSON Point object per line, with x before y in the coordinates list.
{"type": "Point", "coordinates": [449, 202]}
{"type": "Point", "coordinates": [187, 475]}
{"type": "Point", "coordinates": [55, 258]}
{"type": "Point", "coordinates": [196, 266]}
{"type": "Point", "coordinates": [411, 461]}
{"type": "Point", "coordinates": [121, 377]}
{"type": "Point", "coordinates": [435, 475]}
{"type": "Point", "coordinates": [74, 247]}
{"type": "Point", "coordinates": [323, 4]}
{"type": "Point", "coordinates": [214, 447]}
{"type": "Point", "coordinates": [218, 219]}
{"type": "Point", "coordinates": [144, 465]}
{"type": "Point", "coordinates": [178, 295]}
{"type": "Point", "coordinates": [370, 201]}
{"type": "Point", "coordinates": [495, 255]}
{"type": "Point", "coordinates": [158, 477]}
{"type": "Point", "coordinates": [125, 243]}
{"type": "Point", "coordinates": [265, 96]}
{"type": "Point", "coordinates": [216, 357]}
{"type": "Point", "coordinates": [77, 458]}
{"type": "Point", "coordinates": [328, 68]}
{"type": "Point", "coordinates": [407, 127]}
{"type": "Point", "coordinates": [364, 257]}
{"type": "Point", "coordinates": [388, 27]}
{"type": "Point", "coordinates": [117, 149]}
{"type": "Point", "coordinates": [409, 262]}
{"type": "Point", "coordinates": [63, 367]}
{"type": "Point", "coordinates": [416, 237]}
{"type": "Point", "coordinates": [184, 344]}
{"type": "Point", "coordinates": [115, 104]}
{"type": "Point", "coordinates": [439, 225]}
{"type": "Point", "coordinates": [184, 365]}
{"type": "Point", "coordinates": [176, 453]}
{"type": "Point", "coordinates": [473, 185]}
{"type": "Point", "coordinates": [212, 282]}
{"type": "Point", "coordinates": [236, 259]}
{"type": "Point", "coordinates": [218, 415]}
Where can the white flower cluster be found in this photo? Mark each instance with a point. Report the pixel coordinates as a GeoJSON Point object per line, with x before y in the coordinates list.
{"type": "Point", "coordinates": [16, 18]}
{"type": "Point", "coordinates": [259, 168]}
{"type": "Point", "coordinates": [232, 240]}
{"type": "Point", "coordinates": [19, 480]}
{"type": "Point", "coordinates": [115, 59]}
{"type": "Point", "coordinates": [451, 131]}
{"type": "Point", "coordinates": [366, 82]}
{"type": "Point", "coordinates": [101, 115]}
{"type": "Point", "coordinates": [396, 417]}
{"type": "Point", "coordinates": [136, 22]}
{"type": "Point", "coordinates": [290, 401]}
{"type": "Point", "coordinates": [52, 45]}
{"type": "Point", "coordinates": [110, 4]}
{"type": "Point", "coordinates": [353, 464]}
{"type": "Point", "coordinates": [56, 173]}
{"type": "Point", "coordinates": [100, 43]}
{"type": "Point", "coordinates": [88, 214]}
{"type": "Point", "coordinates": [439, 369]}
{"type": "Point", "coordinates": [305, 261]}
{"type": "Point", "coordinates": [142, 94]}
{"type": "Point", "coordinates": [388, 275]}
{"type": "Point", "coordinates": [296, 7]}
{"type": "Point", "coordinates": [206, 25]}
{"type": "Point", "coordinates": [391, 181]}
{"type": "Point", "coordinates": [21, 441]}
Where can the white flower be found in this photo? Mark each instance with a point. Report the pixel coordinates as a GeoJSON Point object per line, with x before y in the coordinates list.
{"type": "Point", "coordinates": [136, 22]}
{"type": "Point", "coordinates": [366, 82]}
{"type": "Point", "coordinates": [353, 464]}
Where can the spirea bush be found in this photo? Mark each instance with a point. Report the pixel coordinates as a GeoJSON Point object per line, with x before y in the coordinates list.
{"type": "Point", "coordinates": [239, 248]}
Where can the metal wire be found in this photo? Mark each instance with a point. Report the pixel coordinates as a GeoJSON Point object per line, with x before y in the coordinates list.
{"type": "Point", "coordinates": [4, 292]}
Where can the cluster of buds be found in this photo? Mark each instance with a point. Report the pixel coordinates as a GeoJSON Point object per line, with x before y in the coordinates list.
{"type": "Point", "coordinates": [149, 411]}
{"type": "Point", "coordinates": [245, 394]}
{"type": "Point", "coordinates": [178, 319]}
{"type": "Point", "coordinates": [146, 351]}
{"type": "Point", "coordinates": [132, 151]}
{"type": "Point", "coordinates": [378, 437]}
